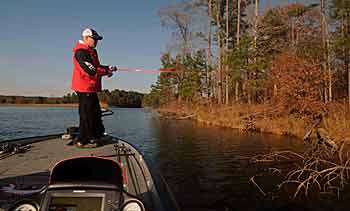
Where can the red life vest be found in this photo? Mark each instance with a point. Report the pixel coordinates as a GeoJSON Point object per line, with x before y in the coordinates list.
{"type": "Point", "coordinates": [82, 81]}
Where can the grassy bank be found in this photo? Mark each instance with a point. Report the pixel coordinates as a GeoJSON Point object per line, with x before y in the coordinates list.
{"type": "Point", "coordinates": [261, 118]}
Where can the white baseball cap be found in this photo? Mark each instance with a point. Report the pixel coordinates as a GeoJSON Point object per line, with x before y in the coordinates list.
{"type": "Point", "coordinates": [88, 32]}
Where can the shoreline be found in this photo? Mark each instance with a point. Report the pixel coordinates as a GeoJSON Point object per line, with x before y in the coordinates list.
{"type": "Point", "coordinates": [63, 105]}
{"type": "Point", "coordinates": [71, 105]}
{"type": "Point", "coordinates": [258, 118]}
{"type": "Point", "coordinates": [169, 113]}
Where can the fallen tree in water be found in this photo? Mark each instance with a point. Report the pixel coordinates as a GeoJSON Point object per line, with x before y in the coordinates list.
{"type": "Point", "coordinates": [323, 169]}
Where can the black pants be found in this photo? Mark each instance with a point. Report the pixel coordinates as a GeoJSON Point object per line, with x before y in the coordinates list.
{"type": "Point", "coordinates": [90, 125]}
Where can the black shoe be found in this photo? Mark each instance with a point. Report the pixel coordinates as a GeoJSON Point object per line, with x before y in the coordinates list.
{"type": "Point", "coordinates": [104, 139]}
{"type": "Point", "coordinates": [70, 142]}
{"type": "Point", "coordinates": [79, 144]}
{"type": "Point", "coordinates": [93, 143]}
{"type": "Point", "coordinates": [88, 145]}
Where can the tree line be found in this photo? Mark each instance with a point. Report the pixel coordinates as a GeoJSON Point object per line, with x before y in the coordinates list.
{"type": "Point", "coordinates": [121, 98]}
{"type": "Point", "coordinates": [118, 98]}
{"type": "Point", "coordinates": [295, 56]}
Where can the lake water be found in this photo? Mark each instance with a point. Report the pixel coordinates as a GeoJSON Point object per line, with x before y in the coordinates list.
{"type": "Point", "coordinates": [206, 167]}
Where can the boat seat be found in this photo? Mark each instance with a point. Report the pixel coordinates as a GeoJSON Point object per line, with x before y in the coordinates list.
{"type": "Point", "coordinates": [87, 170]}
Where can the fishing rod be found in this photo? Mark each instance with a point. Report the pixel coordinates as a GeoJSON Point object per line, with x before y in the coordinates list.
{"type": "Point", "coordinates": [161, 70]}
{"type": "Point", "coordinates": [9, 149]}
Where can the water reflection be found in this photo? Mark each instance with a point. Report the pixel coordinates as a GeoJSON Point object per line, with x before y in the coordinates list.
{"type": "Point", "coordinates": [207, 167]}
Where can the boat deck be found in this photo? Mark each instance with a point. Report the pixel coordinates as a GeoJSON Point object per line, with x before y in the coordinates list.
{"type": "Point", "coordinates": [28, 172]}
{"type": "Point", "coordinates": [32, 167]}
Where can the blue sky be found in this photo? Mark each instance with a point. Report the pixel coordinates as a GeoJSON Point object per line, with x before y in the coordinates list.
{"type": "Point", "coordinates": [37, 37]}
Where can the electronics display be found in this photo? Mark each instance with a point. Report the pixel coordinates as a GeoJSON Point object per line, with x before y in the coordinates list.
{"type": "Point", "coordinates": [76, 204]}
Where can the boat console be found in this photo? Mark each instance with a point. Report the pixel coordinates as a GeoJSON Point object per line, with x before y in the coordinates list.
{"type": "Point", "coordinates": [85, 184]}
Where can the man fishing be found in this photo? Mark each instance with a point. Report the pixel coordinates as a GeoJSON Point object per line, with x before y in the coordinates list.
{"type": "Point", "coordinates": [86, 82]}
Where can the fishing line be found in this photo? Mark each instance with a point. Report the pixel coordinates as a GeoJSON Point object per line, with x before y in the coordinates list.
{"type": "Point", "coordinates": [162, 70]}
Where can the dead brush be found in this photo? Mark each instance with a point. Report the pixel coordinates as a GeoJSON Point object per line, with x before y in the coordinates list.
{"type": "Point", "coordinates": [322, 169]}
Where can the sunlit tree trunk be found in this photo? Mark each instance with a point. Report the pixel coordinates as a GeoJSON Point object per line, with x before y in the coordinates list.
{"type": "Point", "coordinates": [330, 77]}
{"type": "Point", "coordinates": [238, 33]}
{"type": "Point", "coordinates": [237, 91]}
{"type": "Point", "coordinates": [326, 58]}
{"type": "Point", "coordinates": [219, 72]}
{"type": "Point", "coordinates": [346, 30]}
{"type": "Point", "coordinates": [209, 47]}
{"type": "Point", "coordinates": [275, 90]}
{"type": "Point", "coordinates": [323, 44]}
{"type": "Point", "coordinates": [256, 22]}
{"type": "Point", "coordinates": [238, 36]}
{"type": "Point", "coordinates": [255, 45]}
{"type": "Point", "coordinates": [349, 83]}
{"type": "Point", "coordinates": [226, 54]}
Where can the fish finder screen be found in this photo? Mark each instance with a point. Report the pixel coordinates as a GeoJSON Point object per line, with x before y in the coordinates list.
{"type": "Point", "coordinates": [76, 204]}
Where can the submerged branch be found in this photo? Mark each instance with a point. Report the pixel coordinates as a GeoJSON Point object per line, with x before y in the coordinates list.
{"type": "Point", "coordinates": [325, 168]}
{"type": "Point", "coordinates": [256, 185]}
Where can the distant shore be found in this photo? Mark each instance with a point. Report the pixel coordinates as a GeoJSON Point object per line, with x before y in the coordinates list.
{"type": "Point", "coordinates": [72, 105]}
{"type": "Point", "coordinates": [66, 105]}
